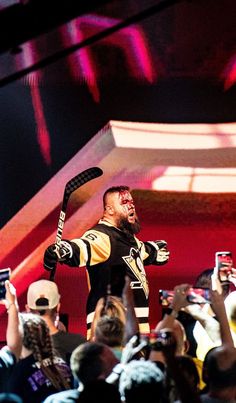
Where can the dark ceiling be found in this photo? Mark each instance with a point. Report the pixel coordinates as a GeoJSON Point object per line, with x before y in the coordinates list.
{"type": "Point", "coordinates": [93, 61]}
{"type": "Point", "coordinates": [187, 39]}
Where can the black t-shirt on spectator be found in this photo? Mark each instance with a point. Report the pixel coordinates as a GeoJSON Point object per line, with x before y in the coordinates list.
{"type": "Point", "coordinates": [30, 383]}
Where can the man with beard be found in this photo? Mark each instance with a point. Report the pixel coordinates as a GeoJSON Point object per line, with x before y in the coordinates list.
{"type": "Point", "coordinates": [110, 251]}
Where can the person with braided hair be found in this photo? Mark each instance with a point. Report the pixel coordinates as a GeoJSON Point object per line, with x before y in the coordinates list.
{"type": "Point", "coordinates": [39, 372]}
{"type": "Point", "coordinates": [43, 299]}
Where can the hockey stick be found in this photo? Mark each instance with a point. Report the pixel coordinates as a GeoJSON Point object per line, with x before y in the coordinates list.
{"type": "Point", "coordinates": [72, 185]}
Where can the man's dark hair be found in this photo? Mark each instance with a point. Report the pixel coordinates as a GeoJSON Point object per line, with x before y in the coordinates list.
{"type": "Point", "coordinates": [114, 189]}
{"type": "Point", "coordinates": [188, 367]}
{"type": "Point", "coordinates": [203, 280]}
{"type": "Point", "coordinates": [92, 360]}
{"type": "Point", "coordinates": [219, 377]}
{"type": "Point", "coordinates": [86, 361]}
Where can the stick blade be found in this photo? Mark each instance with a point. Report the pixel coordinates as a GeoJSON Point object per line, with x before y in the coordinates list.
{"type": "Point", "coordinates": [79, 180]}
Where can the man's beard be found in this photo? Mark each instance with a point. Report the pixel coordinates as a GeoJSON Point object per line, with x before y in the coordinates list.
{"type": "Point", "coordinates": [130, 228]}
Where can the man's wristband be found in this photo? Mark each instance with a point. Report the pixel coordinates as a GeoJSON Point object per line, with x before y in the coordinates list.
{"type": "Point", "coordinates": [173, 313]}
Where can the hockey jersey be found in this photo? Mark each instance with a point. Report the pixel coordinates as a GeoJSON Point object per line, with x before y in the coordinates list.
{"type": "Point", "coordinates": [110, 254]}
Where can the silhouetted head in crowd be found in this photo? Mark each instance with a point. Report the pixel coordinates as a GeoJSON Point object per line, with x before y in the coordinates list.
{"type": "Point", "coordinates": [203, 280]}
{"type": "Point", "coordinates": [141, 381]}
{"type": "Point", "coordinates": [205, 377]}
{"type": "Point", "coordinates": [220, 371]}
{"type": "Point", "coordinates": [180, 337]}
{"type": "Point", "coordinates": [188, 368]}
{"type": "Point", "coordinates": [91, 361]}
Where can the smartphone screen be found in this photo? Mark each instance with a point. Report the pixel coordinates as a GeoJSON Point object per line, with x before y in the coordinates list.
{"type": "Point", "coordinates": [199, 295]}
{"type": "Point", "coordinates": [194, 295]}
{"type": "Point", "coordinates": [165, 297]}
{"type": "Point", "coordinates": [224, 264]}
{"type": "Point", "coordinates": [4, 275]}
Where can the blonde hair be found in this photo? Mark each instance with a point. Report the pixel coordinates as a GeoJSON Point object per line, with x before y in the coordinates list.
{"type": "Point", "coordinates": [112, 307]}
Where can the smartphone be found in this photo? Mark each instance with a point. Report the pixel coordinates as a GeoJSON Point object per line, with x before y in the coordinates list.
{"type": "Point", "coordinates": [199, 295]}
{"type": "Point", "coordinates": [195, 295]}
{"type": "Point", "coordinates": [157, 340]}
{"type": "Point", "coordinates": [165, 297]}
{"type": "Point", "coordinates": [4, 275]}
{"type": "Point", "coordinates": [224, 264]}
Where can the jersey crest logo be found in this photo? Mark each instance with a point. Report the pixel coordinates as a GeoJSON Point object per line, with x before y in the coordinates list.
{"type": "Point", "coordinates": [135, 264]}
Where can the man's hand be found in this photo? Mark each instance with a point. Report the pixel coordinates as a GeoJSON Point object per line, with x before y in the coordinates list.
{"type": "Point", "coordinates": [163, 256]}
{"type": "Point", "coordinates": [162, 253]}
{"type": "Point", "coordinates": [50, 258]}
{"type": "Point", "coordinates": [180, 297]}
{"type": "Point", "coordinates": [57, 253]}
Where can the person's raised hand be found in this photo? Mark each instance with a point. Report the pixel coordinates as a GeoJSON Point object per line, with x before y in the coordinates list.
{"type": "Point", "coordinates": [10, 297]}
{"type": "Point", "coordinates": [180, 297]}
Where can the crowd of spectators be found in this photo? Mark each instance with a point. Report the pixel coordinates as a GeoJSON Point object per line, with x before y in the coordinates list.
{"type": "Point", "coordinates": [189, 357]}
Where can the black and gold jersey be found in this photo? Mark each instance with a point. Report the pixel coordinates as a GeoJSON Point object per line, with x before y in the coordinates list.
{"type": "Point", "coordinates": [110, 254]}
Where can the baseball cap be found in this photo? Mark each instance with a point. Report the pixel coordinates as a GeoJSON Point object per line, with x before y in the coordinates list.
{"type": "Point", "coordinates": [42, 294]}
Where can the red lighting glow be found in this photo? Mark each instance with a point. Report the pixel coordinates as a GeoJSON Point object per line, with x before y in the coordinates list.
{"type": "Point", "coordinates": [131, 40]}
{"type": "Point", "coordinates": [229, 73]}
{"type": "Point", "coordinates": [23, 59]}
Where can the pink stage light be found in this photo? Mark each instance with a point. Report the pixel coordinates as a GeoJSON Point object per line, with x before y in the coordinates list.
{"type": "Point", "coordinates": [131, 40]}
{"type": "Point", "coordinates": [23, 59]}
{"type": "Point", "coordinates": [42, 132]}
